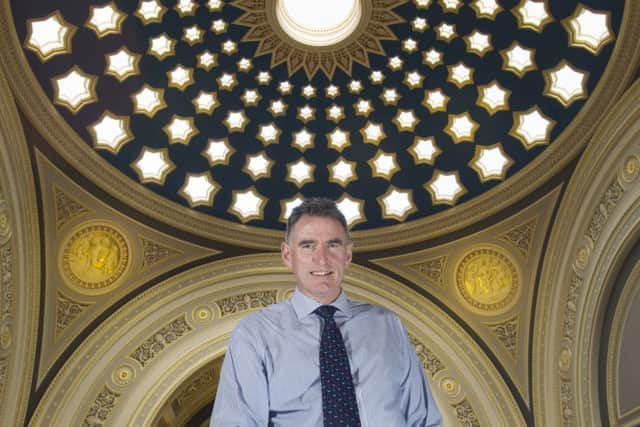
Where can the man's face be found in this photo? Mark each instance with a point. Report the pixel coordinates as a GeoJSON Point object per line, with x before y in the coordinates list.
{"type": "Point", "coordinates": [318, 252]}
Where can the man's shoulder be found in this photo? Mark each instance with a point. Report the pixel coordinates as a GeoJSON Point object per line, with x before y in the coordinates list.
{"type": "Point", "coordinates": [269, 313]}
{"type": "Point", "coordinates": [359, 308]}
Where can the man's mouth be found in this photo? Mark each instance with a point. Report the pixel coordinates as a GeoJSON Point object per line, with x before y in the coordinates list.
{"type": "Point", "coordinates": [320, 273]}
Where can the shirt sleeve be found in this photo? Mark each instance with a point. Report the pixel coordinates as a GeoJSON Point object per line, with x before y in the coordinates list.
{"type": "Point", "coordinates": [420, 407]}
{"type": "Point", "coordinates": [242, 398]}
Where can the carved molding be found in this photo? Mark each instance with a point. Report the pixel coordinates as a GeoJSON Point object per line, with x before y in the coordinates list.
{"type": "Point", "coordinates": [521, 237]}
{"type": "Point", "coordinates": [597, 222]}
{"type": "Point", "coordinates": [430, 363]}
{"type": "Point", "coordinates": [246, 301]}
{"type": "Point", "coordinates": [101, 408]}
{"type": "Point", "coordinates": [157, 343]}
{"type": "Point", "coordinates": [466, 415]}
{"type": "Point", "coordinates": [153, 252]}
{"type": "Point", "coordinates": [507, 333]}
{"type": "Point", "coordinates": [3, 377]}
{"type": "Point", "coordinates": [67, 309]}
{"type": "Point", "coordinates": [66, 208]}
{"type": "Point", "coordinates": [432, 269]}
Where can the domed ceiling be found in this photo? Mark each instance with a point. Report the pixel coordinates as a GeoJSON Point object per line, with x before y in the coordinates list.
{"type": "Point", "coordinates": [404, 111]}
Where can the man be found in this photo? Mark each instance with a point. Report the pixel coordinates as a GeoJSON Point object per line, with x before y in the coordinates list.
{"type": "Point", "coordinates": [288, 365]}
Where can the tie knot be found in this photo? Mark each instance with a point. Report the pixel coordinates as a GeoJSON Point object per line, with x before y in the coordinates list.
{"type": "Point", "coordinates": [326, 311]}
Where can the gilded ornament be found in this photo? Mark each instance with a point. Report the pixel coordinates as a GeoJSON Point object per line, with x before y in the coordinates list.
{"type": "Point", "coordinates": [123, 375]}
{"type": "Point", "coordinates": [94, 258]}
{"type": "Point", "coordinates": [631, 169]}
{"type": "Point", "coordinates": [6, 337]}
{"type": "Point", "coordinates": [487, 280]}
{"type": "Point", "coordinates": [202, 314]}
{"type": "Point", "coordinates": [582, 257]}
{"type": "Point", "coordinates": [564, 362]}
{"type": "Point", "coordinates": [4, 225]}
{"type": "Point", "coordinates": [450, 386]}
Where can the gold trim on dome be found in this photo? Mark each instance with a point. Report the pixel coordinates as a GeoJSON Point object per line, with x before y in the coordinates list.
{"type": "Point", "coordinates": [573, 26]}
{"type": "Point", "coordinates": [487, 280]}
{"type": "Point", "coordinates": [94, 258]}
{"type": "Point", "coordinates": [264, 28]}
{"type": "Point", "coordinates": [51, 48]}
{"type": "Point", "coordinates": [79, 100]}
{"type": "Point", "coordinates": [96, 21]}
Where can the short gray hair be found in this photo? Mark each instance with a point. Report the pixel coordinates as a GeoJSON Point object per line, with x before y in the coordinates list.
{"type": "Point", "coordinates": [316, 206]}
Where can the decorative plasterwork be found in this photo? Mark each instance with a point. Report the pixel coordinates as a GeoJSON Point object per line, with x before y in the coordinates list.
{"type": "Point", "coordinates": [437, 269]}
{"type": "Point", "coordinates": [597, 222]}
{"type": "Point", "coordinates": [67, 309]}
{"type": "Point", "coordinates": [20, 280]}
{"type": "Point", "coordinates": [373, 27]}
{"type": "Point", "coordinates": [160, 340]}
{"type": "Point", "coordinates": [439, 343]}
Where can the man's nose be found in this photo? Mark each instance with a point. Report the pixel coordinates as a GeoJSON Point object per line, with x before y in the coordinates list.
{"type": "Point", "coordinates": [321, 254]}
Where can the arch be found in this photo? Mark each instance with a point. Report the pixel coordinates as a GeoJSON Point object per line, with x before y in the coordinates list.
{"type": "Point", "coordinates": [598, 224]}
{"type": "Point", "coordinates": [160, 338]}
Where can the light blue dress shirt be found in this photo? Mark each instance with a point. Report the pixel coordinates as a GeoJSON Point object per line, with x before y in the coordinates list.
{"type": "Point", "coordinates": [271, 375]}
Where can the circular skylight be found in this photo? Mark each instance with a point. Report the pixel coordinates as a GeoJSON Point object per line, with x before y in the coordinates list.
{"type": "Point", "coordinates": [318, 23]}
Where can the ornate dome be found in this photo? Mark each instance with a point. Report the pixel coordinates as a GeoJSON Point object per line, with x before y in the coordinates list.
{"type": "Point", "coordinates": [414, 110]}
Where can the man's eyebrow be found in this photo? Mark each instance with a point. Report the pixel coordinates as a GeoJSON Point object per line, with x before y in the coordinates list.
{"type": "Point", "coordinates": [337, 240]}
{"type": "Point", "coordinates": [306, 242]}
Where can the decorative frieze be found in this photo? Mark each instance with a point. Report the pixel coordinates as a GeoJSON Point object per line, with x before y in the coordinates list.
{"type": "Point", "coordinates": [3, 377]}
{"type": "Point", "coordinates": [430, 363]}
{"type": "Point", "coordinates": [465, 414]}
{"type": "Point", "coordinates": [159, 341]}
{"type": "Point", "coordinates": [432, 269]}
{"type": "Point", "coordinates": [507, 334]}
{"type": "Point", "coordinates": [66, 208]}
{"type": "Point", "coordinates": [521, 237]}
{"type": "Point", "coordinates": [606, 205]}
{"type": "Point", "coordinates": [153, 252]}
{"type": "Point", "coordinates": [6, 281]}
{"type": "Point", "coordinates": [246, 301]}
{"type": "Point", "coordinates": [101, 408]}
{"type": "Point", "coordinates": [67, 309]}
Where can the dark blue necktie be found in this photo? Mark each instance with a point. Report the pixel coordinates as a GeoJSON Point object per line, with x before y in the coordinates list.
{"type": "Point", "coordinates": [339, 406]}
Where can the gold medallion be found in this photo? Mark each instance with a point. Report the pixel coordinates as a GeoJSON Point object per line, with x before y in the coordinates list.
{"type": "Point", "coordinates": [487, 279]}
{"type": "Point", "coordinates": [94, 258]}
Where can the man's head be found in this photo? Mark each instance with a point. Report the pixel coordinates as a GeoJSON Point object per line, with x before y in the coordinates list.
{"type": "Point", "coordinates": [317, 248]}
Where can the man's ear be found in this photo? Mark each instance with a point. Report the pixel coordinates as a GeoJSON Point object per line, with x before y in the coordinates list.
{"type": "Point", "coordinates": [349, 252]}
{"type": "Point", "coordinates": [285, 252]}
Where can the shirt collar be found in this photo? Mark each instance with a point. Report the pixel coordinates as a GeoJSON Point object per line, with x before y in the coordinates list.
{"type": "Point", "coordinates": [304, 305]}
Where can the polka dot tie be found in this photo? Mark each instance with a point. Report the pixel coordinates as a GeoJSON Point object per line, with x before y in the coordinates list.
{"type": "Point", "coordinates": [339, 406]}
